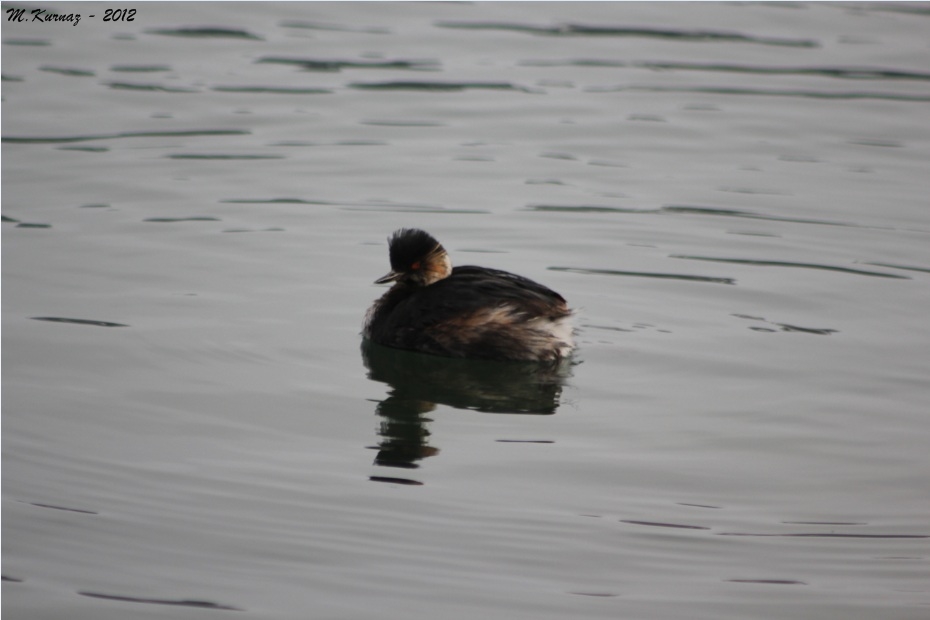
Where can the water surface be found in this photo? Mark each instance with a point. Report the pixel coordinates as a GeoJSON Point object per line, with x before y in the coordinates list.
{"type": "Point", "coordinates": [732, 196]}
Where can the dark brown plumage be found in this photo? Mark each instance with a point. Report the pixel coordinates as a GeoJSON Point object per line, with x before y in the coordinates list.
{"type": "Point", "coordinates": [468, 312]}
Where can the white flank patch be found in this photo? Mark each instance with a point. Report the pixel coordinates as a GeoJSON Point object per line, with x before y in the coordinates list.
{"type": "Point", "coordinates": [562, 330]}
{"type": "Point", "coordinates": [559, 330]}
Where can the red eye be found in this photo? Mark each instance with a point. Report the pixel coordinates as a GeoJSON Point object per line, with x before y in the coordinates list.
{"type": "Point", "coordinates": [415, 266]}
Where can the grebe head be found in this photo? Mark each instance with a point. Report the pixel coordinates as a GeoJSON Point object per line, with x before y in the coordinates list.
{"type": "Point", "coordinates": [417, 259]}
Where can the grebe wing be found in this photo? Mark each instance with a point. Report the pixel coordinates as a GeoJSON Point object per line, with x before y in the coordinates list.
{"type": "Point", "coordinates": [479, 313]}
{"type": "Point", "coordinates": [502, 283]}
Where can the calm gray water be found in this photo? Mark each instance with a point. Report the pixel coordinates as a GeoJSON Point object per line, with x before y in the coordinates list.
{"type": "Point", "coordinates": [733, 196]}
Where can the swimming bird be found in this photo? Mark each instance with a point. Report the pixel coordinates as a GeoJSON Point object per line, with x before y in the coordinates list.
{"type": "Point", "coordinates": [464, 312]}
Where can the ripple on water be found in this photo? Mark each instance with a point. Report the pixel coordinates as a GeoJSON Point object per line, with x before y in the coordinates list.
{"type": "Point", "coordinates": [680, 526]}
{"type": "Point", "coordinates": [124, 134]}
{"type": "Point", "coordinates": [193, 218]}
{"type": "Point", "coordinates": [150, 87]}
{"type": "Point", "coordinates": [28, 42]}
{"type": "Point", "coordinates": [63, 508]}
{"type": "Point", "coordinates": [59, 319]}
{"type": "Point", "coordinates": [401, 122]}
{"type": "Point", "coordinates": [69, 71]}
{"type": "Point", "coordinates": [783, 582]}
{"type": "Point", "coordinates": [790, 264]}
{"type": "Point", "coordinates": [826, 535]}
{"type": "Point", "coordinates": [139, 68]}
{"type": "Point", "coordinates": [646, 274]}
{"type": "Point", "coordinates": [763, 92]}
{"type": "Point", "coordinates": [690, 210]}
{"type": "Point", "coordinates": [161, 601]}
{"type": "Point", "coordinates": [334, 27]}
{"type": "Point", "coordinates": [336, 143]}
{"type": "Point", "coordinates": [847, 73]}
{"type": "Point", "coordinates": [273, 90]}
{"type": "Point", "coordinates": [433, 86]}
{"type": "Point", "coordinates": [711, 36]}
{"type": "Point", "coordinates": [785, 327]}
{"type": "Point", "coordinates": [904, 267]}
{"type": "Point", "coordinates": [315, 64]}
{"type": "Point", "coordinates": [220, 156]}
{"type": "Point", "coordinates": [375, 205]}
{"type": "Point", "coordinates": [205, 33]}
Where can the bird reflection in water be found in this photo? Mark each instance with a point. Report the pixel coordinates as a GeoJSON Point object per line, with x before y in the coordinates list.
{"type": "Point", "coordinates": [419, 382]}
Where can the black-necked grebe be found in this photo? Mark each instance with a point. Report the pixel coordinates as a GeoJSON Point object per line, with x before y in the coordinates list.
{"type": "Point", "coordinates": [467, 312]}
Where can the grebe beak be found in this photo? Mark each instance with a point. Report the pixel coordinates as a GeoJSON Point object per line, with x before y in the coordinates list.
{"type": "Point", "coordinates": [390, 277]}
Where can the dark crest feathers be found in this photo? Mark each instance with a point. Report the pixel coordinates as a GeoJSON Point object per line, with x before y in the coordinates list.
{"type": "Point", "coordinates": [409, 245]}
